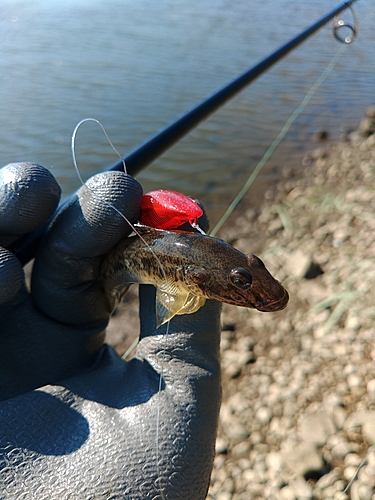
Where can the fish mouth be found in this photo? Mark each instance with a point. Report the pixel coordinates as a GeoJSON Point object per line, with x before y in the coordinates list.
{"type": "Point", "coordinates": [275, 305]}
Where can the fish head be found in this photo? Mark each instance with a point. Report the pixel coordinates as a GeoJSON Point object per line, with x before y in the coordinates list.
{"type": "Point", "coordinates": [249, 285]}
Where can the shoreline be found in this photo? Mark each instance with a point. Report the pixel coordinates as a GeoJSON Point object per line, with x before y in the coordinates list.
{"type": "Point", "coordinates": [298, 412]}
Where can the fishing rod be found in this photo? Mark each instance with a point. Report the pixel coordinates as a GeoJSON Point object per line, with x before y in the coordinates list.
{"type": "Point", "coordinates": [155, 146]}
{"type": "Point", "coordinates": [25, 248]}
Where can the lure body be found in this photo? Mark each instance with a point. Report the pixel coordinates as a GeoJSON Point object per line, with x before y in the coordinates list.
{"type": "Point", "coordinates": [194, 268]}
{"type": "Point", "coordinates": [164, 209]}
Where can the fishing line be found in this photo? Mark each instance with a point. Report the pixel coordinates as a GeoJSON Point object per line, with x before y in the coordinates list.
{"type": "Point", "coordinates": [74, 134]}
{"type": "Point", "coordinates": [163, 350]}
{"type": "Point", "coordinates": [357, 471]}
{"type": "Point", "coordinates": [270, 150]}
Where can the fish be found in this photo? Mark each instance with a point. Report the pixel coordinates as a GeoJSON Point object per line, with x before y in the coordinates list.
{"type": "Point", "coordinates": [187, 268]}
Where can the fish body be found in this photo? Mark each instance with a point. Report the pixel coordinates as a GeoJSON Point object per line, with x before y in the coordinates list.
{"type": "Point", "coordinates": [188, 268]}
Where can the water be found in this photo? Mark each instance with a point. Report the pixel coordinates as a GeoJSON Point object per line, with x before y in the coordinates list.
{"type": "Point", "coordinates": [136, 66]}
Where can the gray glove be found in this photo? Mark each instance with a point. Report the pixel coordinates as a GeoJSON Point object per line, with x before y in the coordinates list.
{"type": "Point", "coordinates": [102, 428]}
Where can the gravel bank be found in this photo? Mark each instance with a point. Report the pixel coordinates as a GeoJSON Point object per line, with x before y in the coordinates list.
{"type": "Point", "coordinates": [298, 412]}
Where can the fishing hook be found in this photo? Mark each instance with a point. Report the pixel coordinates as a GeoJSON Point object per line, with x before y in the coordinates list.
{"type": "Point", "coordinates": [339, 23]}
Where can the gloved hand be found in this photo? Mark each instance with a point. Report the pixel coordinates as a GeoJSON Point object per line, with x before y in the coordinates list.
{"type": "Point", "coordinates": [101, 428]}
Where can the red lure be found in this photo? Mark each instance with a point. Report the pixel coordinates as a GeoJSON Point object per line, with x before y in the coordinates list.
{"type": "Point", "coordinates": [163, 209]}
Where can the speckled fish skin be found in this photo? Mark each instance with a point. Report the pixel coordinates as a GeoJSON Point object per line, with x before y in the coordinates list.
{"type": "Point", "coordinates": [203, 265]}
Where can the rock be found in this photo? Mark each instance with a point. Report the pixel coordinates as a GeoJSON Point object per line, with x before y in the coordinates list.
{"type": "Point", "coordinates": [304, 460]}
{"type": "Point", "coordinates": [349, 472]}
{"type": "Point", "coordinates": [223, 495]}
{"type": "Point", "coordinates": [354, 381]}
{"type": "Point", "coordinates": [368, 430]}
{"type": "Point", "coordinates": [367, 126]}
{"type": "Point", "coordinates": [370, 112]}
{"type": "Point", "coordinates": [360, 491]}
{"type": "Point", "coordinates": [352, 459]}
{"type": "Point", "coordinates": [301, 265]}
{"type": "Point", "coordinates": [256, 438]}
{"type": "Point", "coordinates": [274, 461]}
{"type": "Point", "coordinates": [339, 417]}
{"type": "Point", "coordinates": [341, 450]}
{"type": "Point", "coordinates": [320, 136]}
{"type": "Point", "coordinates": [327, 480]}
{"type": "Point", "coordinates": [237, 431]}
{"type": "Point", "coordinates": [302, 489]}
{"type": "Point", "coordinates": [233, 370]}
{"type": "Point", "coordinates": [316, 428]}
{"type": "Point", "coordinates": [221, 446]}
{"type": "Point", "coordinates": [287, 493]}
{"type": "Point", "coordinates": [371, 389]}
{"type": "Point", "coordinates": [358, 419]}
{"type": "Point", "coordinates": [241, 449]}
{"type": "Point", "coordinates": [276, 352]}
{"type": "Point", "coordinates": [263, 415]}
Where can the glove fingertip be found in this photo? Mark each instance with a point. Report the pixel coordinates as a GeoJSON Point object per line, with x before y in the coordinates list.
{"type": "Point", "coordinates": [11, 276]}
{"type": "Point", "coordinates": [29, 195]}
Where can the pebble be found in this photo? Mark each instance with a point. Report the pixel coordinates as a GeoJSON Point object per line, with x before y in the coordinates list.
{"type": "Point", "coordinates": [371, 389]}
{"type": "Point", "coordinates": [339, 416]}
{"type": "Point", "coordinates": [221, 445]}
{"type": "Point", "coordinates": [352, 459]}
{"type": "Point", "coordinates": [368, 430]}
{"type": "Point", "coordinates": [304, 459]}
{"type": "Point", "coordinates": [276, 352]}
{"type": "Point", "coordinates": [237, 431]}
{"type": "Point", "coordinates": [274, 461]}
{"type": "Point", "coordinates": [288, 493]}
{"type": "Point", "coordinates": [298, 263]}
{"type": "Point", "coordinates": [361, 491]}
{"type": "Point", "coordinates": [263, 415]}
{"type": "Point", "coordinates": [354, 381]}
{"type": "Point", "coordinates": [340, 450]}
{"type": "Point", "coordinates": [316, 428]}
{"type": "Point", "coordinates": [302, 489]}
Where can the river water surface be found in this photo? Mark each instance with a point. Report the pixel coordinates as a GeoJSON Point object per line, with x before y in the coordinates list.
{"type": "Point", "coordinates": [137, 65]}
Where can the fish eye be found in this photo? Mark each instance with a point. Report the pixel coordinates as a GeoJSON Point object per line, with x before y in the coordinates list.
{"type": "Point", "coordinates": [241, 278]}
